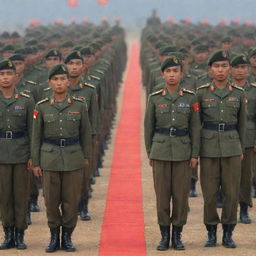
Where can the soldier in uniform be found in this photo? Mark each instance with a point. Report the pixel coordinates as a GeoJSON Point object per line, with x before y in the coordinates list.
{"type": "Point", "coordinates": [15, 130]}
{"type": "Point", "coordinates": [61, 147]}
{"type": "Point", "coordinates": [223, 119]}
{"type": "Point", "coordinates": [172, 128]}
{"type": "Point", "coordinates": [239, 72]}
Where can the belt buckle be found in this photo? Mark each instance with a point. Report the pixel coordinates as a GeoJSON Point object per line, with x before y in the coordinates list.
{"type": "Point", "coordinates": [172, 131]}
{"type": "Point", "coordinates": [62, 143]}
{"type": "Point", "coordinates": [8, 135]}
{"type": "Point", "coordinates": [221, 127]}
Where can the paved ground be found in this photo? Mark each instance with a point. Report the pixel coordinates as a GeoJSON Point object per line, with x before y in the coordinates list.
{"type": "Point", "coordinates": [87, 235]}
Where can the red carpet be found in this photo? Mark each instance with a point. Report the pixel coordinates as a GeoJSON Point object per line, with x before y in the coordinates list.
{"type": "Point", "coordinates": [123, 224]}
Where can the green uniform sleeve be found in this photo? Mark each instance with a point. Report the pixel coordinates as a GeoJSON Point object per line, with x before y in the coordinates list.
{"type": "Point", "coordinates": [241, 125]}
{"type": "Point", "coordinates": [31, 106]}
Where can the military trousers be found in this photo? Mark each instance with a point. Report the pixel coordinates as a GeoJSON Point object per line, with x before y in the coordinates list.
{"type": "Point", "coordinates": [224, 172]}
{"type": "Point", "coordinates": [195, 173]}
{"type": "Point", "coordinates": [62, 193]}
{"type": "Point", "coordinates": [171, 183]}
{"type": "Point", "coordinates": [246, 178]}
{"type": "Point", "coordinates": [14, 194]}
{"type": "Point", "coordinates": [254, 168]}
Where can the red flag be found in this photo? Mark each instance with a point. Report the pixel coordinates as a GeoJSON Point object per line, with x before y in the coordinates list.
{"type": "Point", "coordinates": [34, 23]}
{"type": "Point", "coordinates": [223, 22]}
{"type": "Point", "coordinates": [236, 21]}
{"type": "Point", "coordinates": [170, 20]}
{"type": "Point", "coordinates": [73, 3]}
{"type": "Point", "coordinates": [187, 20]}
{"type": "Point", "coordinates": [204, 21]}
{"type": "Point", "coordinates": [102, 2]}
{"type": "Point", "coordinates": [86, 20]}
{"type": "Point", "coordinates": [58, 21]}
{"type": "Point", "coordinates": [248, 23]}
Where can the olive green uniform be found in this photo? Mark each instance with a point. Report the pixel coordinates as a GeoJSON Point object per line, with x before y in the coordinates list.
{"type": "Point", "coordinates": [223, 119]}
{"type": "Point", "coordinates": [172, 128]}
{"type": "Point", "coordinates": [61, 140]}
{"type": "Point", "coordinates": [15, 130]}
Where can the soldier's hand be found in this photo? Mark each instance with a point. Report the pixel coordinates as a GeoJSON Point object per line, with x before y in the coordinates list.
{"type": "Point", "coordinates": [29, 165]}
{"type": "Point", "coordinates": [150, 162]}
{"type": "Point", "coordinates": [193, 162]}
{"type": "Point", "coordinates": [86, 161]}
{"type": "Point", "coordinates": [254, 148]}
{"type": "Point", "coordinates": [37, 171]}
{"type": "Point", "coordinates": [242, 157]}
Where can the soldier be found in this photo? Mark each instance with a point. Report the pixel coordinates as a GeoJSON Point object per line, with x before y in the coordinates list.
{"type": "Point", "coordinates": [239, 72]}
{"type": "Point", "coordinates": [61, 147]}
{"type": "Point", "coordinates": [15, 130]}
{"type": "Point", "coordinates": [172, 128]}
{"type": "Point", "coordinates": [223, 117]}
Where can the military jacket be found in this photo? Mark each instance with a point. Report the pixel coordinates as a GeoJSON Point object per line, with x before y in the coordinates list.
{"type": "Point", "coordinates": [60, 121]}
{"type": "Point", "coordinates": [28, 87]}
{"type": "Point", "coordinates": [15, 116]}
{"type": "Point", "coordinates": [179, 111]}
{"type": "Point", "coordinates": [227, 107]}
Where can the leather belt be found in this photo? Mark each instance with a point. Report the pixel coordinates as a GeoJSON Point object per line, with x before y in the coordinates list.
{"type": "Point", "coordinates": [12, 135]}
{"type": "Point", "coordinates": [62, 142]}
{"type": "Point", "coordinates": [172, 132]}
{"type": "Point", "coordinates": [221, 127]}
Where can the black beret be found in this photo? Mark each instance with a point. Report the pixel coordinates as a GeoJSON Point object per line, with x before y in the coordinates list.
{"type": "Point", "coordinates": [8, 47]}
{"type": "Point", "coordinates": [86, 51]}
{"type": "Point", "coordinates": [170, 62]}
{"type": "Point", "coordinates": [16, 56]}
{"type": "Point", "coordinates": [7, 64]}
{"type": "Point", "coordinates": [167, 49]}
{"type": "Point", "coordinates": [226, 39]}
{"type": "Point", "coordinates": [201, 48]}
{"type": "Point", "coordinates": [219, 55]}
{"type": "Point", "coordinates": [58, 69]}
{"type": "Point", "coordinates": [67, 44]}
{"type": "Point", "coordinates": [52, 53]}
{"type": "Point", "coordinates": [73, 55]}
{"type": "Point", "coordinates": [252, 52]}
{"type": "Point", "coordinates": [239, 59]}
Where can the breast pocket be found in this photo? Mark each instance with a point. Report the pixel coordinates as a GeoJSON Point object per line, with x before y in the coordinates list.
{"type": "Point", "coordinates": [50, 124]}
{"type": "Point", "coordinates": [163, 117]}
{"type": "Point", "coordinates": [73, 120]}
{"type": "Point", "coordinates": [19, 120]}
{"type": "Point", "coordinates": [233, 107]}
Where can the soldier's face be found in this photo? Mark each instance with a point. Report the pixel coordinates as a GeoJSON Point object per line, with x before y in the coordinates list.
{"type": "Point", "coordinates": [20, 66]}
{"type": "Point", "coordinates": [75, 67]}
{"type": "Point", "coordinates": [240, 72]}
{"type": "Point", "coordinates": [52, 61]}
{"type": "Point", "coordinates": [201, 57]}
{"type": "Point", "coordinates": [7, 78]}
{"type": "Point", "coordinates": [7, 54]}
{"type": "Point", "coordinates": [220, 70]}
{"type": "Point", "coordinates": [253, 61]}
{"type": "Point", "coordinates": [59, 83]}
{"type": "Point", "coordinates": [172, 75]}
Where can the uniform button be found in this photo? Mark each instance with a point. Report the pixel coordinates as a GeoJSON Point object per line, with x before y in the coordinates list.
{"type": "Point", "coordinates": [221, 110]}
{"type": "Point", "coordinates": [173, 119]}
{"type": "Point", "coordinates": [60, 134]}
{"type": "Point", "coordinates": [8, 120]}
{"type": "Point", "coordinates": [9, 126]}
{"type": "Point", "coordinates": [60, 128]}
{"type": "Point", "coordinates": [172, 111]}
{"type": "Point", "coordinates": [221, 102]}
{"type": "Point", "coordinates": [8, 110]}
{"type": "Point", "coordinates": [60, 113]}
{"type": "Point", "coordinates": [60, 120]}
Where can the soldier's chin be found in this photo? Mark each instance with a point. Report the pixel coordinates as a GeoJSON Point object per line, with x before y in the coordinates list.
{"type": "Point", "coordinates": [73, 76]}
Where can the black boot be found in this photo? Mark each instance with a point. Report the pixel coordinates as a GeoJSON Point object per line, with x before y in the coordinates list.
{"type": "Point", "coordinates": [84, 214]}
{"type": "Point", "coordinates": [244, 217]}
{"type": "Point", "coordinates": [97, 172]}
{"type": "Point", "coordinates": [165, 241]}
{"type": "Point", "coordinates": [192, 192]}
{"type": "Point", "coordinates": [8, 238]}
{"type": "Point", "coordinates": [28, 217]}
{"type": "Point", "coordinates": [227, 240]}
{"type": "Point", "coordinates": [19, 239]}
{"type": "Point", "coordinates": [212, 237]}
{"type": "Point", "coordinates": [54, 244]}
{"type": "Point", "coordinates": [33, 204]}
{"type": "Point", "coordinates": [66, 243]}
{"type": "Point", "coordinates": [176, 238]}
{"type": "Point", "coordinates": [219, 200]}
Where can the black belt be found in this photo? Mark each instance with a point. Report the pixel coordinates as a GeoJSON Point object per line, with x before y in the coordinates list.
{"type": "Point", "coordinates": [12, 135]}
{"type": "Point", "coordinates": [62, 142]}
{"type": "Point", "coordinates": [221, 127]}
{"type": "Point", "coordinates": [172, 131]}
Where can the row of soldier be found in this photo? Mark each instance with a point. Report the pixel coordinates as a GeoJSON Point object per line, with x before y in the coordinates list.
{"type": "Point", "coordinates": [58, 101]}
{"type": "Point", "coordinates": [200, 77]}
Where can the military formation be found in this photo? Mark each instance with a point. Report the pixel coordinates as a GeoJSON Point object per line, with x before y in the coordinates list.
{"type": "Point", "coordinates": [200, 82]}
{"type": "Point", "coordinates": [58, 88]}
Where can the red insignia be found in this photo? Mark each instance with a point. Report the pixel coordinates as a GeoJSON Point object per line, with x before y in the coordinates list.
{"type": "Point", "coordinates": [35, 114]}
{"type": "Point", "coordinates": [52, 101]}
{"type": "Point", "coordinates": [69, 100]}
{"type": "Point", "coordinates": [208, 100]}
{"type": "Point", "coordinates": [163, 93]}
{"type": "Point", "coordinates": [181, 93]}
{"type": "Point", "coordinates": [16, 96]}
{"type": "Point", "coordinates": [212, 88]}
{"type": "Point", "coordinates": [162, 105]}
{"type": "Point", "coordinates": [245, 100]}
{"type": "Point", "coordinates": [230, 88]}
{"type": "Point", "coordinates": [196, 107]}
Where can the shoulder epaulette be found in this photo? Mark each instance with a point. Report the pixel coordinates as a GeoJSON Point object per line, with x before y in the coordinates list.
{"type": "Point", "coordinates": [253, 84]}
{"type": "Point", "coordinates": [42, 101]}
{"type": "Point", "coordinates": [95, 77]}
{"type": "Point", "coordinates": [78, 99]}
{"type": "Point", "coordinates": [90, 85]}
{"type": "Point", "coordinates": [238, 87]}
{"type": "Point", "coordinates": [106, 61]}
{"type": "Point", "coordinates": [188, 91]}
{"type": "Point", "coordinates": [157, 92]}
{"type": "Point", "coordinates": [24, 95]}
{"type": "Point", "coordinates": [99, 71]}
{"type": "Point", "coordinates": [47, 89]}
{"type": "Point", "coordinates": [31, 82]}
{"type": "Point", "coordinates": [188, 75]}
{"type": "Point", "coordinates": [203, 86]}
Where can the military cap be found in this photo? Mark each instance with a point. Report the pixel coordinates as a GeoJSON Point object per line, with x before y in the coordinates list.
{"type": "Point", "coordinates": [8, 47]}
{"type": "Point", "coordinates": [226, 39]}
{"type": "Point", "coordinates": [15, 34]}
{"type": "Point", "coordinates": [53, 53]}
{"type": "Point", "coordinates": [184, 51]}
{"type": "Point", "coordinates": [5, 34]}
{"type": "Point", "coordinates": [31, 42]}
{"type": "Point", "coordinates": [195, 42]}
{"type": "Point", "coordinates": [77, 48]}
{"type": "Point", "coordinates": [58, 69]}
{"type": "Point", "coordinates": [73, 55]}
{"type": "Point", "coordinates": [167, 49]}
{"type": "Point", "coordinates": [249, 35]}
{"type": "Point", "coordinates": [67, 44]}
{"type": "Point", "coordinates": [160, 44]}
{"type": "Point", "coordinates": [18, 57]}
{"type": "Point", "coordinates": [201, 48]}
{"type": "Point", "coordinates": [7, 64]}
{"type": "Point", "coordinates": [251, 52]}
{"type": "Point", "coordinates": [219, 55]}
{"type": "Point", "coordinates": [239, 59]}
{"type": "Point", "coordinates": [41, 47]}
{"type": "Point", "coordinates": [1, 44]}
{"type": "Point", "coordinates": [95, 46]}
{"type": "Point", "coordinates": [87, 51]}
{"type": "Point", "coordinates": [170, 62]}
